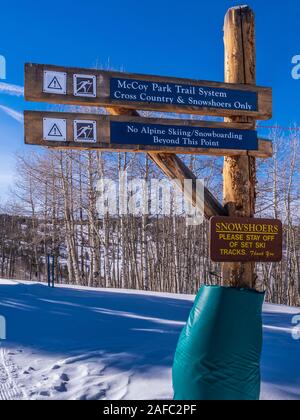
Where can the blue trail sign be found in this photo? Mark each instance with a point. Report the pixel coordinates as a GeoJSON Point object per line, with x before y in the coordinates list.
{"type": "Point", "coordinates": [185, 95]}
{"type": "Point", "coordinates": [174, 136]}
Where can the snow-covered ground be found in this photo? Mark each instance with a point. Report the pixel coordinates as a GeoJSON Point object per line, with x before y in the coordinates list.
{"type": "Point", "coordinates": [79, 343]}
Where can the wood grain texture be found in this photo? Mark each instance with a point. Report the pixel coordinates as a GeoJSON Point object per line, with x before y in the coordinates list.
{"type": "Point", "coordinates": [34, 92]}
{"type": "Point", "coordinates": [240, 171]}
{"type": "Point", "coordinates": [33, 121]}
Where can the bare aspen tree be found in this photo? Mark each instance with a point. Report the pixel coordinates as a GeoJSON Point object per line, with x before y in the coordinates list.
{"type": "Point", "coordinates": [53, 209]}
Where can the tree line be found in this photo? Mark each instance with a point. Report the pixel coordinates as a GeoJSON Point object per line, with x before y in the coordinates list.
{"type": "Point", "coordinates": [52, 211]}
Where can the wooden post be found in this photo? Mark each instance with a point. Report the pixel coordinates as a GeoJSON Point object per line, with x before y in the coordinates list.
{"type": "Point", "coordinates": [240, 172]}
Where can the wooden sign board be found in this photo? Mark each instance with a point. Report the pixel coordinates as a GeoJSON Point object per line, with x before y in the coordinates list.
{"type": "Point", "coordinates": [76, 86]}
{"type": "Point", "coordinates": [245, 240]}
{"type": "Point", "coordinates": [136, 134]}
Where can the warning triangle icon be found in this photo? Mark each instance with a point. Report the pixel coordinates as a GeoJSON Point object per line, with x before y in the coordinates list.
{"type": "Point", "coordinates": [55, 132]}
{"type": "Point", "coordinates": [54, 84]}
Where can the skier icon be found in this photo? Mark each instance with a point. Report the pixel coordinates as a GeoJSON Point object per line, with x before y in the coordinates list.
{"type": "Point", "coordinates": [85, 132]}
{"type": "Point", "coordinates": [84, 86]}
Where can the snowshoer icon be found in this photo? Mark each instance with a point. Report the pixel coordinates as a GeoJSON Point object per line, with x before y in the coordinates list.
{"type": "Point", "coordinates": [84, 86]}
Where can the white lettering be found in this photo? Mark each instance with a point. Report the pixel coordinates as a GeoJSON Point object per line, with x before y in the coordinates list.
{"type": "Point", "coordinates": [135, 85]}
{"type": "Point", "coordinates": [212, 93]}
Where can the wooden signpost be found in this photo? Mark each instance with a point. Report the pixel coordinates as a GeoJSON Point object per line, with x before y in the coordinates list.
{"type": "Point", "coordinates": [122, 94]}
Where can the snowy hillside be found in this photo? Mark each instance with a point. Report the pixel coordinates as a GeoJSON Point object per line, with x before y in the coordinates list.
{"type": "Point", "coordinates": [72, 343]}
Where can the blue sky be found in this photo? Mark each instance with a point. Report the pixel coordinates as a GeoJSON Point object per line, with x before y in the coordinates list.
{"type": "Point", "coordinates": [171, 38]}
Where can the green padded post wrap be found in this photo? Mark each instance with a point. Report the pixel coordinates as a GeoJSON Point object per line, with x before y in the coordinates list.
{"type": "Point", "coordinates": [219, 350]}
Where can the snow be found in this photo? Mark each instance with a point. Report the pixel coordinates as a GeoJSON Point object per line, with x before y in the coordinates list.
{"type": "Point", "coordinates": [83, 343]}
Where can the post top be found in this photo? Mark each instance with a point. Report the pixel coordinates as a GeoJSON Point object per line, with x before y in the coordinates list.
{"type": "Point", "coordinates": [240, 10]}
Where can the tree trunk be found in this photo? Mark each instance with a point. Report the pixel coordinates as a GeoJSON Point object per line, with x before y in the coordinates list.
{"type": "Point", "coordinates": [240, 171]}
